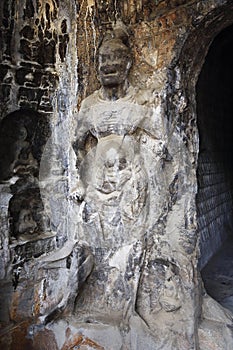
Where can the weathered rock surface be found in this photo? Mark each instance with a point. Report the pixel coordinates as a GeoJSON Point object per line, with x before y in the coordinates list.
{"type": "Point", "coordinates": [99, 236]}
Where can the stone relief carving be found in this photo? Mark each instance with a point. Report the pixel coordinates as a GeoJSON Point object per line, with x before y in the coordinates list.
{"type": "Point", "coordinates": [112, 186]}
{"type": "Point", "coordinates": [23, 162]}
{"type": "Point", "coordinates": [38, 266]}
{"type": "Point", "coordinates": [119, 177]}
{"type": "Point", "coordinates": [19, 164]}
{"type": "Point", "coordinates": [112, 261]}
{"type": "Point", "coordinates": [112, 189]}
{"type": "Point", "coordinates": [127, 175]}
{"type": "Point", "coordinates": [170, 298]}
{"type": "Point", "coordinates": [116, 193]}
{"type": "Point", "coordinates": [27, 215]}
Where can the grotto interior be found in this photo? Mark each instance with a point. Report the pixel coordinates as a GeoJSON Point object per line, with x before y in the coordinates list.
{"type": "Point", "coordinates": [215, 169]}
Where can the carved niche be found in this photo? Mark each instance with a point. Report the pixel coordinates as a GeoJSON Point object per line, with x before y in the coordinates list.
{"type": "Point", "coordinates": [22, 136]}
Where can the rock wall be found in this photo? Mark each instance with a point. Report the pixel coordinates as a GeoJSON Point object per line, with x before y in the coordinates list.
{"type": "Point", "coordinates": [51, 276]}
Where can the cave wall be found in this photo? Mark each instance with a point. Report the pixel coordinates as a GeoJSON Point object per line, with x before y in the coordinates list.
{"type": "Point", "coordinates": [34, 42]}
{"type": "Point", "coordinates": [36, 81]}
{"type": "Point", "coordinates": [48, 66]}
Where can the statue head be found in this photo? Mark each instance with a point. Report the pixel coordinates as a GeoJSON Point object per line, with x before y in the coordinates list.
{"type": "Point", "coordinates": [115, 58]}
{"type": "Point", "coordinates": [26, 223]}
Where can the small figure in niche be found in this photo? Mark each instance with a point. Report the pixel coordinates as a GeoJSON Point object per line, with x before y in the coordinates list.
{"type": "Point", "coordinates": [115, 61]}
{"type": "Point", "coordinates": [26, 223]}
{"type": "Point", "coordinates": [170, 298]}
{"type": "Point", "coordinates": [22, 136]}
{"type": "Point", "coordinates": [114, 165]}
{"type": "Point", "coordinates": [26, 211]}
{"type": "Point", "coordinates": [20, 144]}
{"type": "Point", "coordinates": [24, 162]}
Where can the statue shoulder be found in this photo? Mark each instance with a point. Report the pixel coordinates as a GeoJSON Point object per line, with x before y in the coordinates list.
{"type": "Point", "coordinates": [90, 101]}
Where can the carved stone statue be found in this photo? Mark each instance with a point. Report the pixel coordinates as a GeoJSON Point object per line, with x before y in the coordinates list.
{"type": "Point", "coordinates": [26, 212]}
{"type": "Point", "coordinates": [21, 140]}
{"type": "Point", "coordinates": [118, 142]}
{"type": "Point", "coordinates": [116, 194]}
{"type": "Point", "coordinates": [113, 109]}
{"type": "Point", "coordinates": [112, 186]}
{"type": "Point", "coordinates": [24, 162]}
{"type": "Point", "coordinates": [115, 61]}
{"type": "Point", "coordinates": [124, 177]}
{"type": "Point", "coordinates": [20, 144]}
{"type": "Point", "coordinates": [170, 298]}
{"type": "Point", "coordinates": [26, 223]}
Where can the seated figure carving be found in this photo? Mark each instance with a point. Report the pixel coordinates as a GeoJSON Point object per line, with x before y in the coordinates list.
{"type": "Point", "coordinates": [21, 143]}
{"type": "Point", "coordinates": [26, 212]}
{"type": "Point", "coordinates": [26, 223]}
{"type": "Point", "coordinates": [24, 162]}
{"type": "Point", "coordinates": [20, 146]}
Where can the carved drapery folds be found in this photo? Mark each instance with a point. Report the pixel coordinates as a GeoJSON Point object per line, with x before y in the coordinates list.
{"type": "Point", "coordinates": [121, 154]}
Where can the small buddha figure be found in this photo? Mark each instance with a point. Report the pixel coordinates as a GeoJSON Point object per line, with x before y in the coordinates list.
{"type": "Point", "coordinates": [21, 141]}
{"type": "Point", "coordinates": [170, 299]}
{"type": "Point", "coordinates": [26, 212]}
{"type": "Point", "coordinates": [24, 162]}
{"type": "Point", "coordinates": [116, 193]}
{"type": "Point", "coordinates": [26, 223]}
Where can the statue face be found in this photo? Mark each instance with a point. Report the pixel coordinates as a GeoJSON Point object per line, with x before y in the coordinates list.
{"type": "Point", "coordinates": [22, 134]}
{"type": "Point", "coordinates": [114, 63]}
{"type": "Point", "coordinates": [26, 223]}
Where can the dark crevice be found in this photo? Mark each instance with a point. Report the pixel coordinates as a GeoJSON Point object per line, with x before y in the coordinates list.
{"type": "Point", "coordinates": [215, 167]}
